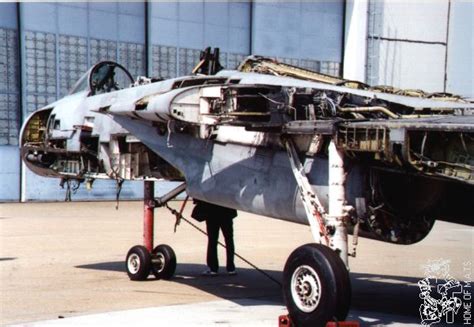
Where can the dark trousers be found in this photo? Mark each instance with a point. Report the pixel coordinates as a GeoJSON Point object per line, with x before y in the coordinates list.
{"type": "Point", "coordinates": [213, 226]}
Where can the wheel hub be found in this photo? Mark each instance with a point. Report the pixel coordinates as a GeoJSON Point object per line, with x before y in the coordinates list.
{"type": "Point", "coordinates": [306, 288]}
{"type": "Point", "coordinates": [158, 262]}
{"type": "Point", "coordinates": [133, 263]}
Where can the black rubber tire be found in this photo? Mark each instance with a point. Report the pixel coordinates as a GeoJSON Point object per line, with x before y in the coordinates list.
{"type": "Point", "coordinates": [334, 285]}
{"type": "Point", "coordinates": [344, 289]}
{"type": "Point", "coordinates": [163, 262]}
{"type": "Point", "coordinates": [138, 263]}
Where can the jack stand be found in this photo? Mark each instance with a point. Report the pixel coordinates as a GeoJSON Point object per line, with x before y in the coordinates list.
{"type": "Point", "coordinates": [285, 321]}
{"type": "Point", "coordinates": [343, 324]}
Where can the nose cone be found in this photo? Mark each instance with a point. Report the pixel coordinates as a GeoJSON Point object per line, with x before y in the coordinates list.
{"type": "Point", "coordinates": [33, 144]}
{"type": "Point", "coordinates": [34, 129]}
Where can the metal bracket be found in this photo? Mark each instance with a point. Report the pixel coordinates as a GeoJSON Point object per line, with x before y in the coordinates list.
{"type": "Point", "coordinates": [315, 212]}
{"type": "Point", "coordinates": [327, 228]}
{"type": "Point", "coordinates": [162, 200]}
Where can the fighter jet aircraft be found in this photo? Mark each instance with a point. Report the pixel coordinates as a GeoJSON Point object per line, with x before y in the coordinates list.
{"type": "Point", "coordinates": [275, 140]}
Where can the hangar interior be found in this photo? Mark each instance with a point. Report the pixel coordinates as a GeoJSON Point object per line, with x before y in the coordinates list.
{"type": "Point", "coordinates": [46, 47]}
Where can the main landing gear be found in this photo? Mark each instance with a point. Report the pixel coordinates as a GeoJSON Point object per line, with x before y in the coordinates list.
{"type": "Point", "coordinates": [316, 283]}
{"type": "Point", "coordinates": [316, 286]}
{"type": "Point", "coordinates": [144, 259]}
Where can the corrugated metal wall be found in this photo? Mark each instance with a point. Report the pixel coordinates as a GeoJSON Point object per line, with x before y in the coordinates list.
{"type": "Point", "coordinates": [421, 45]}
{"type": "Point", "coordinates": [60, 41]}
{"type": "Point", "coordinates": [180, 30]}
{"type": "Point", "coordinates": [9, 104]}
{"type": "Point", "coordinates": [460, 65]}
{"type": "Point", "coordinates": [307, 34]}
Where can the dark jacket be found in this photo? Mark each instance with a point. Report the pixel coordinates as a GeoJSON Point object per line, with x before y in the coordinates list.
{"type": "Point", "coordinates": [205, 210]}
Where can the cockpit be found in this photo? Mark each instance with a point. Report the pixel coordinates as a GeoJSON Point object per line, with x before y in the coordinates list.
{"type": "Point", "coordinates": [104, 77]}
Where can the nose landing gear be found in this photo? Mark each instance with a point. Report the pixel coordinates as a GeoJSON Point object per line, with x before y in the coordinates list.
{"type": "Point", "coordinates": [138, 263]}
{"type": "Point", "coordinates": [163, 262]}
{"type": "Point", "coordinates": [142, 260]}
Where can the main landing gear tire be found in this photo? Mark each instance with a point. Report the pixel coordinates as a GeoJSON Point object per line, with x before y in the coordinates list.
{"type": "Point", "coordinates": [163, 262]}
{"type": "Point", "coordinates": [316, 286]}
{"type": "Point", "coordinates": [138, 263]}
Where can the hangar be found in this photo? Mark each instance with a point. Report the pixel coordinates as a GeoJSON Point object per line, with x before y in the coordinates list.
{"type": "Point", "coordinates": [46, 47]}
{"type": "Point", "coordinates": [375, 42]}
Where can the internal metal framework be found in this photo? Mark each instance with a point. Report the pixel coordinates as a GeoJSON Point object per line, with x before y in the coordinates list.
{"type": "Point", "coordinates": [392, 141]}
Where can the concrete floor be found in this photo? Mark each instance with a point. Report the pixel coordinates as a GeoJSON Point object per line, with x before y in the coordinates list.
{"type": "Point", "coordinates": [67, 259]}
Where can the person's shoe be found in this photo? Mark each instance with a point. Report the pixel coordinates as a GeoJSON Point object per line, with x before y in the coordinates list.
{"type": "Point", "coordinates": [209, 273]}
{"type": "Point", "coordinates": [232, 273]}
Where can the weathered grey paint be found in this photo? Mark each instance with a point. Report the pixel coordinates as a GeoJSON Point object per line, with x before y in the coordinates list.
{"type": "Point", "coordinates": [257, 180]}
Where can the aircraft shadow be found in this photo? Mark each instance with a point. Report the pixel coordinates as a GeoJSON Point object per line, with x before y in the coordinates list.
{"type": "Point", "coordinates": [247, 284]}
{"type": "Point", "coordinates": [393, 299]}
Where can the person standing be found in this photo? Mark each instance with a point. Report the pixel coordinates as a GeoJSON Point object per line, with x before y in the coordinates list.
{"type": "Point", "coordinates": [217, 218]}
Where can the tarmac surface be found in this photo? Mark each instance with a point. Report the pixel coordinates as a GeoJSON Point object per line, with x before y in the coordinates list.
{"type": "Point", "coordinates": [63, 264]}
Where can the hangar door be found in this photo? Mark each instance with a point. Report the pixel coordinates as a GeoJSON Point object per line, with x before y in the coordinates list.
{"type": "Point", "coordinates": [60, 41]}
{"type": "Point", "coordinates": [302, 33]}
{"type": "Point", "coordinates": [421, 45]}
{"type": "Point", "coordinates": [9, 104]}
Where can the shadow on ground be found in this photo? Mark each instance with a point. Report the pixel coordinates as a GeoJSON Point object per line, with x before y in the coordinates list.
{"type": "Point", "coordinates": [384, 299]}
{"type": "Point", "coordinates": [248, 283]}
